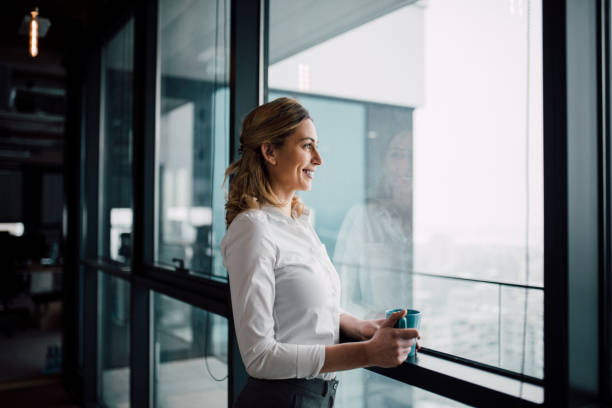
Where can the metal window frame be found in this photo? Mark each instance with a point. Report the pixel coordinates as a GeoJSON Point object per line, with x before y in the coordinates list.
{"type": "Point", "coordinates": [605, 279]}
{"type": "Point", "coordinates": [90, 234]}
{"type": "Point", "coordinates": [583, 163]}
{"type": "Point", "coordinates": [71, 231]}
{"type": "Point", "coordinates": [249, 28]}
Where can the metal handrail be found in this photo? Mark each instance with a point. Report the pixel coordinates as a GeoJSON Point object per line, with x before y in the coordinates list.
{"type": "Point", "coordinates": [434, 275]}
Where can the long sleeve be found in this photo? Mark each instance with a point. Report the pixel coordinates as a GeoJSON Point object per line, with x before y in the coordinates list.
{"type": "Point", "coordinates": [249, 256]}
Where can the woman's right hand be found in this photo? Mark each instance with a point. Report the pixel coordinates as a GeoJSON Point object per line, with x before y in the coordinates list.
{"type": "Point", "coordinates": [389, 347]}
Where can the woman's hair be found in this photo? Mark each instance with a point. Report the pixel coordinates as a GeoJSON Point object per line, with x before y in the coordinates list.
{"type": "Point", "coordinates": [249, 186]}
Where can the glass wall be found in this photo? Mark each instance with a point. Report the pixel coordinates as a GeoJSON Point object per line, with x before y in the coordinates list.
{"type": "Point", "coordinates": [431, 192]}
{"type": "Point", "coordinates": [114, 240]}
{"type": "Point", "coordinates": [192, 145]}
{"type": "Point", "coordinates": [114, 341]}
{"type": "Point", "coordinates": [190, 356]}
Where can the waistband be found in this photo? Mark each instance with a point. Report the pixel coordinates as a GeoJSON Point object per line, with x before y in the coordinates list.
{"type": "Point", "coordinates": [316, 385]}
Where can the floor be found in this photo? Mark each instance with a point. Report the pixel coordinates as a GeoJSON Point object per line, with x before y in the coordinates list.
{"type": "Point", "coordinates": [23, 355]}
{"type": "Point", "coordinates": [43, 392]}
{"type": "Point", "coordinates": [178, 384]}
{"type": "Point", "coordinates": [25, 358]}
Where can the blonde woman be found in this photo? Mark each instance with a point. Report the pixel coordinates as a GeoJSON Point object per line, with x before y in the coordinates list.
{"type": "Point", "coordinates": [285, 291]}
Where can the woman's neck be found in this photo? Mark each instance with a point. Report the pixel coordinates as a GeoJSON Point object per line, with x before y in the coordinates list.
{"type": "Point", "coordinates": [286, 209]}
{"type": "Point", "coordinates": [285, 197]}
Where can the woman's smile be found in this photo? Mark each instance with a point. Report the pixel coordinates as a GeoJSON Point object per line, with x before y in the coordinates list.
{"type": "Point", "coordinates": [309, 173]}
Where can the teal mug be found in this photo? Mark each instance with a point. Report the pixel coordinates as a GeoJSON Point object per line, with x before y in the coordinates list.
{"type": "Point", "coordinates": [412, 320]}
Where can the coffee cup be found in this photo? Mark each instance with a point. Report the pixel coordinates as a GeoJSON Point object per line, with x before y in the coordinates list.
{"type": "Point", "coordinates": [412, 320]}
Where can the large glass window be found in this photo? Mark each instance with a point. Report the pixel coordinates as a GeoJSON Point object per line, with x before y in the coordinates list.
{"type": "Point", "coordinates": [114, 341]}
{"type": "Point", "coordinates": [115, 230]}
{"type": "Point", "coordinates": [431, 191]}
{"type": "Point", "coordinates": [192, 145]}
{"type": "Point", "coordinates": [190, 355]}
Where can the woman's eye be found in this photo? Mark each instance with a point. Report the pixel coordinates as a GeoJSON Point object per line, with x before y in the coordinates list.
{"type": "Point", "coordinates": [308, 146]}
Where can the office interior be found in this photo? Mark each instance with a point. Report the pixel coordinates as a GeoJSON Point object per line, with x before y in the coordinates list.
{"type": "Point", "coordinates": [466, 174]}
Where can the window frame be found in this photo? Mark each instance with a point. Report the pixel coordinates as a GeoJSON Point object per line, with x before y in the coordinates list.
{"type": "Point", "coordinates": [605, 213]}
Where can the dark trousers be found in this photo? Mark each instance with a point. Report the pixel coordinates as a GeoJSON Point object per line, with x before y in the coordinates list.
{"type": "Point", "coordinates": [290, 393]}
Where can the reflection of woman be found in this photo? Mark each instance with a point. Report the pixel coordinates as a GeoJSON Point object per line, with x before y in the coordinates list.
{"type": "Point", "coordinates": [285, 291]}
{"type": "Point", "coordinates": [374, 252]}
{"type": "Point", "coordinates": [374, 247]}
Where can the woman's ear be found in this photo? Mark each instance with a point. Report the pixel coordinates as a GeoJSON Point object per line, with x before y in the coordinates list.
{"type": "Point", "coordinates": [268, 153]}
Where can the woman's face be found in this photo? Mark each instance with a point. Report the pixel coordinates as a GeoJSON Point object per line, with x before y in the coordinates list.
{"type": "Point", "coordinates": [398, 166]}
{"type": "Point", "coordinates": [292, 166]}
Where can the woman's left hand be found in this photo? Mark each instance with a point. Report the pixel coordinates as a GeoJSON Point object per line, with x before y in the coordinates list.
{"type": "Point", "coordinates": [369, 327]}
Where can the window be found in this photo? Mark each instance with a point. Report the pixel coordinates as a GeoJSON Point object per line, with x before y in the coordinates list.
{"type": "Point", "coordinates": [363, 389]}
{"type": "Point", "coordinates": [436, 141]}
{"type": "Point", "coordinates": [114, 340]}
{"type": "Point", "coordinates": [115, 229]}
{"type": "Point", "coordinates": [192, 146]}
{"type": "Point", "coordinates": [191, 355]}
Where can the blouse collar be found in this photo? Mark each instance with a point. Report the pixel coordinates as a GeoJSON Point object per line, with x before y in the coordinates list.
{"type": "Point", "coordinates": [277, 214]}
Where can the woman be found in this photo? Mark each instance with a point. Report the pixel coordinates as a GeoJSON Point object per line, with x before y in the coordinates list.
{"type": "Point", "coordinates": [285, 291]}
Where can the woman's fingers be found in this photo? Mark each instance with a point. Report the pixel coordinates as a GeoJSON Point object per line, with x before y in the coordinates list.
{"type": "Point", "coordinates": [393, 318]}
{"type": "Point", "coordinates": [408, 333]}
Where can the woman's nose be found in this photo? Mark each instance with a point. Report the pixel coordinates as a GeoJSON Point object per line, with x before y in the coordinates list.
{"type": "Point", "coordinates": [316, 158]}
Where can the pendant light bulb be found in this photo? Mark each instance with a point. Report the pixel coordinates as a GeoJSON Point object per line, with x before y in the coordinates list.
{"type": "Point", "coordinates": [34, 33]}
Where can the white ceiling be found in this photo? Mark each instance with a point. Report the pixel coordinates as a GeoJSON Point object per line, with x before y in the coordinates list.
{"type": "Point", "coordinates": [191, 28]}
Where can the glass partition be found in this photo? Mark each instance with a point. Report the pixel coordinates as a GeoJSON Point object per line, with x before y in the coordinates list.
{"type": "Point", "coordinates": [431, 192]}
{"type": "Point", "coordinates": [192, 143]}
{"type": "Point", "coordinates": [190, 355]}
{"type": "Point", "coordinates": [115, 231]}
{"type": "Point", "coordinates": [114, 341]}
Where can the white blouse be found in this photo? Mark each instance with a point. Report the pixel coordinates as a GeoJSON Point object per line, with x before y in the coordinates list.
{"type": "Point", "coordinates": [285, 294]}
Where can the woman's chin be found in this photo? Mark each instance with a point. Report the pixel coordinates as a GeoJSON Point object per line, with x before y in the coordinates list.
{"type": "Point", "coordinates": [306, 187]}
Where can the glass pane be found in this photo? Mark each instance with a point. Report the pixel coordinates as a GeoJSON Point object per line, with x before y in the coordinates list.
{"type": "Point", "coordinates": [192, 147]}
{"type": "Point", "coordinates": [116, 147]}
{"type": "Point", "coordinates": [191, 355]}
{"type": "Point", "coordinates": [114, 340]}
{"type": "Point", "coordinates": [365, 389]}
{"type": "Point", "coordinates": [80, 314]}
{"type": "Point", "coordinates": [439, 205]}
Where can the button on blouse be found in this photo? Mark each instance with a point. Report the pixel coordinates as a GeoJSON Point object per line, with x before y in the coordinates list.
{"type": "Point", "coordinates": [285, 294]}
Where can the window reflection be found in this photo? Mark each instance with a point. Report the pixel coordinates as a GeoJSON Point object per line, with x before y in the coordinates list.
{"type": "Point", "coordinates": [120, 234]}
{"type": "Point", "coordinates": [114, 341]}
{"type": "Point", "coordinates": [192, 149]}
{"type": "Point", "coordinates": [373, 252]}
{"type": "Point", "coordinates": [191, 355]}
{"type": "Point", "coordinates": [116, 146]}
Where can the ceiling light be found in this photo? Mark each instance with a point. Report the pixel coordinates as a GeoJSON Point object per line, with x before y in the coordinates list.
{"type": "Point", "coordinates": [34, 33]}
{"type": "Point", "coordinates": [35, 27]}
